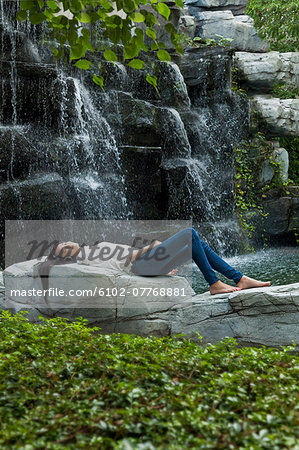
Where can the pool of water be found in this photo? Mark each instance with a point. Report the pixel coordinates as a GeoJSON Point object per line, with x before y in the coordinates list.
{"type": "Point", "coordinates": [279, 265]}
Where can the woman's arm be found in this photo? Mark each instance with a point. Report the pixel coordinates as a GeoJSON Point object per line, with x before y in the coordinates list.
{"type": "Point", "coordinates": [141, 251]}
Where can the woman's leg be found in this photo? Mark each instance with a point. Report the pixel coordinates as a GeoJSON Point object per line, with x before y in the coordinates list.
{"type": "Point", "coordinates": [219, 264]}
{"type": "Point", "coordinates": [178, 248]}
{"type": "Point", "coordinates": [176, 252]}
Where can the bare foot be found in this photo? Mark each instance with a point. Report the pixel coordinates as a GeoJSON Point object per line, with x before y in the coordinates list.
{"type": "Point", "coordinates": [173, 272]}
{"type": "Point", "coordinates": [222, 288]}
{"type": "Point", "coordinates": [246, 283]}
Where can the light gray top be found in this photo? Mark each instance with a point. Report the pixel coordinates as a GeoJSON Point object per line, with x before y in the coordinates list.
{"type": "Point", "coordinates": [108, 255]}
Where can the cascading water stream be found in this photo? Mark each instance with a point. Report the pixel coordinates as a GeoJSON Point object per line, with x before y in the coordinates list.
{"type": "Point", "coordinates": [102, 173]}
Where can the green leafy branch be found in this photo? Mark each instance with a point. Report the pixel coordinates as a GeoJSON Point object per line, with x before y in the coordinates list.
{"type": "Point", "coordinates": [70, 23]}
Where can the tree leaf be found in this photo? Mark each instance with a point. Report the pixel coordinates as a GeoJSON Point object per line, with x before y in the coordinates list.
{"type": "Point", "coordinates": [169, 28]}
{"type": "Point", "coordinates": [83, 17]}
{"type": "Point", "coordinates": [144, 46]}
{"type": "Point", "coordinates": [28, 5]}
{"type": "Point", "coordinates": [99, 81]}
{"type": "Point", "coordinates": [163, 10]}
{"type": "Point", "coordinates": [109, 55]}
{"type": "Point", "coordinates": [130, 51]}
{"type": "Point", "coordinates": [163, 55]}
{"type": "Point", "coordinates": [136, 64]}
{"type": "Point", "coordinates": [82, 64]}
{"type": "Point", "coordinates": [52, 5]}
{"type": "Point", "coordinates": [128, 6]}
{"type": "Point", "coordinates": [49, 15]}
{"type": "Point", "coordinates": [76, 6]}
{"type": "Point", "coordinates": [137, 17]}
{"type": "Point", "coordinates": [106, 4]}
{"type": "Point", "coordinates": [36, 18]}
{"type": "Point", "coordinates": [151, 79]}
{"type": "Point", "coordinates": [77, 51]}
{"type": "Point", "coordinates": [21, 15]}
{"type": "Point", "coordinates": [151, 33]}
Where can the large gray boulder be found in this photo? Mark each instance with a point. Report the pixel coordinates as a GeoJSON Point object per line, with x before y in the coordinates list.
{"type": "Point", "coordinates": [260, 71]}
{"type": "Point", "coordinates": [110, 299]}
{"type": "Point", "coordinates": [281, 116]}
{"type": "Point", "coordinates": [213, 24]}
{"type": "Point", "coordinates": [261, 316]}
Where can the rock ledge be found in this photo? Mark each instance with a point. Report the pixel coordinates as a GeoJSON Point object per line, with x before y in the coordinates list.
{"type": "Point", "coordinates": [262, 316]}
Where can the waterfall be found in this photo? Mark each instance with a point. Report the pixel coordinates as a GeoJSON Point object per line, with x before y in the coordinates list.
{"type": "Point", "coordinates": [69, 150]}
{"type": "Point", "coordinates": [91, 184]}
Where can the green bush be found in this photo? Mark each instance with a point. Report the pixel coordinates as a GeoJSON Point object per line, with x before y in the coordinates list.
{"type": "Point", "coordinates": [65, 386]}
{"type": "Point", "coordinates": [276, 22]}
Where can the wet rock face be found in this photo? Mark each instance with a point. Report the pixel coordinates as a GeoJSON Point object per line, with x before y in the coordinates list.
{"type": "Point", "coordinates": [207, 74]}
{"type": "Point", "coordinates": [26, 99]}
{"type": "Point", "coordinates": [40, 197]}
{"type": "Point", "coordinates": [148, 125]}
{"type": "Point", "coordinates": [16, 45]}
{"type": "Point", "coordinates": [139, 119]}
{"type": "Point", "coordinates": [17, 153]}
{"type": "Point", "coordinates": [144, 193]}
{"type": "Point", "coordinates": [172, 89]}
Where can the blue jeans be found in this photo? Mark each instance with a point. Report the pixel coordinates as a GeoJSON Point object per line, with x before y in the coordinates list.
{"type": "Point", "coordinates": [177, 250]}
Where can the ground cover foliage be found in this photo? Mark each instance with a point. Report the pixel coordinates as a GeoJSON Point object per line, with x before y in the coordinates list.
{"type": "Point", "coordinates": [65, 385]}
{"type": "Point", "coordinates": [276, 22]}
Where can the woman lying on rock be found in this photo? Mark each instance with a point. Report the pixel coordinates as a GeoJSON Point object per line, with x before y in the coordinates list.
{"type": "Point", "coordinates": [159, 258]}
